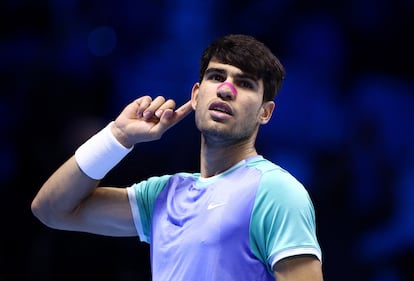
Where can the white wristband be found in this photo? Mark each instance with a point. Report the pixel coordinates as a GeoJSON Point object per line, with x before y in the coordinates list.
{"type": "Point", "coordinates": [99, 154]}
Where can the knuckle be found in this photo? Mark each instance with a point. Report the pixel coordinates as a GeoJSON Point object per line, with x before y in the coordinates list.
{"type": "Point", "coordinates": [160, 98]}
{"type": "Point", "coordinates": [171, 102]}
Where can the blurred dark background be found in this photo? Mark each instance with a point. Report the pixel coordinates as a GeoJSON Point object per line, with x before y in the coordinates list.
{"type": "Point", "coordinates": [343, 124]}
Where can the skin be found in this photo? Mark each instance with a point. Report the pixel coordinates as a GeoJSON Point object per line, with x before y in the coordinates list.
{"type": "Point", "coordinates": [70, 200]}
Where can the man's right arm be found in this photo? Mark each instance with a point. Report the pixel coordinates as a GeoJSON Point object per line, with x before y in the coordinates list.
{"type": "Point", "coordinates": [71, 199]}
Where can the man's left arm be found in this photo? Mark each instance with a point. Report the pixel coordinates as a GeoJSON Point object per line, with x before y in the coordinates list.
{"type": "Point", "coordinates": [298, 268]}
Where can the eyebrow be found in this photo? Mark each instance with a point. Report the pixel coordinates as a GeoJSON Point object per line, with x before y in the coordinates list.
{"type": "Point", "coordinates": [237, 75]}
{"type": "Point", "coordinates": [214, 70]}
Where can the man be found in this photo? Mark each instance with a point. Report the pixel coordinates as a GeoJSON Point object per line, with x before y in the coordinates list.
{"type": "Point", "coordinates": [240, 218]}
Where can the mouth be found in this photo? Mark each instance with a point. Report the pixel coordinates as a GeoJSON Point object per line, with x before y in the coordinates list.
{"type": "Point", "coordinates": [221, 107]}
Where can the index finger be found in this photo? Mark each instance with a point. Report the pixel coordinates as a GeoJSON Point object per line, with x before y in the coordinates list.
{"type": "Point", "coordinates": [183, 111]}
{"type": "Point", "coordinates": [170, 118]}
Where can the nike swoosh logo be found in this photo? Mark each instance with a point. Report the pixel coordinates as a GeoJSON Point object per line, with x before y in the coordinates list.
{"type": "Point", "coordinates": [215, 205]}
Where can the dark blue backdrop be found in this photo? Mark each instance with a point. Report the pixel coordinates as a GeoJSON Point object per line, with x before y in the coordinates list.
{"type": "Point", "coordinates": [343, 123]}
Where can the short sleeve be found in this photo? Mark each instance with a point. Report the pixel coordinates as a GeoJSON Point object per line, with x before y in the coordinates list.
{"type": "Point", "coordinates": [283, 219]}
{"type": "Point", "coordinates": [142, 196]}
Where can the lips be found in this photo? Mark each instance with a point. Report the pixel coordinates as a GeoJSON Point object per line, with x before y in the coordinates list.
{"type": "Point", "coordinates": [221, 107]}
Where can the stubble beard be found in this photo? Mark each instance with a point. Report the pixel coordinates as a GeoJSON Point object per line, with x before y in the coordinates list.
{"type": "Point", "coordinates": [220, 135]}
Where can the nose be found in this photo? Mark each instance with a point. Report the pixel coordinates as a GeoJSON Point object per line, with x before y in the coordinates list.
{"type": "Point", "coordinates": [226, 90]}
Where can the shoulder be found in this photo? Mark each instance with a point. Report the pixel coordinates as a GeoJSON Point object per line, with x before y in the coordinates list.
{"type": "Point", "coordinates": [279, 185]}
{"type": "Point", "coordinates": [153, 182]}
{"type": "Point", "coordinates": [274, 176]}
{"type": "Point", "coordinates": [158, 183]}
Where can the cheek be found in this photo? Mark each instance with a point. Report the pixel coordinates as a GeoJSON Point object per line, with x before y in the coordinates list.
{"type": "Point", "coordinates": [252, 110]}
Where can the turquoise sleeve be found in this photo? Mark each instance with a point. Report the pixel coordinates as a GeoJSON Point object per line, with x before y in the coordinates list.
{"type": "Point", "coordinates": [283, 220]}
{"type": "Point", "coordinates": [146, 193]}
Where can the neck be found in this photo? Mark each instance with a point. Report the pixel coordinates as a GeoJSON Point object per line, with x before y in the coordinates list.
{"type": "Point", "coordinates": [215, 159]}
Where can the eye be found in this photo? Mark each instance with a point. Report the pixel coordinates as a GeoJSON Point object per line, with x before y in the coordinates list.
{"type": "Point", "coordinates": [246, 84]}
{"type": "Point", "coordinates": [216, 77]}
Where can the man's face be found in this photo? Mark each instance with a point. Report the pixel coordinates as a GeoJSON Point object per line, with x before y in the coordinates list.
{"type": "Point", "coordinates": [228, 104]}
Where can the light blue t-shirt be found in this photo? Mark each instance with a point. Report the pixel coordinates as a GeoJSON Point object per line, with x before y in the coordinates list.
{"type": "Point", "coordinates": [233, 226]}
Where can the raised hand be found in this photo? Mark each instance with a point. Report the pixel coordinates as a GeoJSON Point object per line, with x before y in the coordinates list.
{"type": "Point", "coordinates": [147, 119]}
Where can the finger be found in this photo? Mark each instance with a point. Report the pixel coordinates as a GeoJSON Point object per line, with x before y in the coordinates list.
{"type": "Point", "coordinates": [169, 104]}
{"type": "Point", "coordinates": [153, 107]}
{"type": "Point", "coordinates": [142, 104]}
{"type": "Point", "coordinates": [183, 111]}
{"type": "Point", "coordinates": [170, 118]}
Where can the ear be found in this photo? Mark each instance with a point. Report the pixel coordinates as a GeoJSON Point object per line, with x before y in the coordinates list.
{"type": "Point", "coordinates": [266, 112]}
{"type": "Point", "coordinates": [194, 95]}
